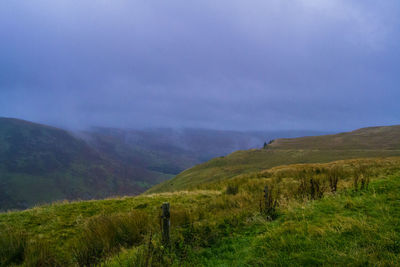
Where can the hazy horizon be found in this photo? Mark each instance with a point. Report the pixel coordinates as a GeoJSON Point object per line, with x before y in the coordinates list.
{"type": "Point", "coordinates": [228, 65]}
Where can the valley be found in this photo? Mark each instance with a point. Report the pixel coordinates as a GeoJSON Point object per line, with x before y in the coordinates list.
{"type": "Point", "coordinates": [331, 207]}
{"type": "Point", "coordinates": [40, 164]}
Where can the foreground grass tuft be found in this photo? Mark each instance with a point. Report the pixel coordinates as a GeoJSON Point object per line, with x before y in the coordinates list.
{"type": "Point", "coordinates": [12, 246]}
{"type": "Point", "coordinates": [211, 227]}
{"type": "Point", "coordinates": [106, 234]}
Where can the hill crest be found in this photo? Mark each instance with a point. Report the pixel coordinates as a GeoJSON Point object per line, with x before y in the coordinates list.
{"type": "Point", "coordinates": [378, 137]}
{"type": "Point", "coordinates": [361, 143]}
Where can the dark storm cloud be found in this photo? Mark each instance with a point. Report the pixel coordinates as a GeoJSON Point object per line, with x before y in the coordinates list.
{"type": "Point", "coordinates": [222, 64]}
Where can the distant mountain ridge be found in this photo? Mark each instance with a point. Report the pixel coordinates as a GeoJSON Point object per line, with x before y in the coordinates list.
{"type": "Point", "coordinates": [41, 164]}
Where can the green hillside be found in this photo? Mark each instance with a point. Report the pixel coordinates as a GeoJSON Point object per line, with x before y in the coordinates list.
{"type": "Point", "coordinates": [355, 224]}
{"type": "Point", "coordinates": [368, 142]}
{"type": "Point", "coordinates": [318, 212]}
{"type": "Point", "coordinates": [41, 164]}
{"type": "Point", "coordinates": [372, 138]}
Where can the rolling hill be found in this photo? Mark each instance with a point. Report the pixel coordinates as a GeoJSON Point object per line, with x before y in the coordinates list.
{"type": "Point", "coordinates": [362, 143]}
{"type": "Point", "coordinates": [171, 151]}
{"type": "Point", "coordinates": [40, 164]}
{"type": "Point", "coordinates": [371, 138]}
{"type": "Point", "coordinates": [219, 215]}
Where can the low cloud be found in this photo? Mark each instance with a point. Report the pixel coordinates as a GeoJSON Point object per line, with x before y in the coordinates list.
{"type": "Point", "coordinates": [301, 64]}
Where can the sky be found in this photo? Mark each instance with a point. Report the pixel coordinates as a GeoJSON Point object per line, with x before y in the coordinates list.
{"type": "Point", "coordinates": [221, 64]}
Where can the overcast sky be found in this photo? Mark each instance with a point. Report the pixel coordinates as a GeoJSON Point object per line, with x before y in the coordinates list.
{"type": "Point", "coordinates": [226, 64]}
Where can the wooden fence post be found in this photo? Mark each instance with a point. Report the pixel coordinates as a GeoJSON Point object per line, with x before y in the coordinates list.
{"type": "Point", "coordinates": [165, 223]}
{"type": "Point", "coordinates": [269, 202]}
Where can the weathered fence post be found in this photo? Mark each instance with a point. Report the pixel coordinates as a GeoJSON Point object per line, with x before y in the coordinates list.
{"type": "Point", "coordinates": [269, 203]}
{"type": "Point", "coordinates": [165, 223]}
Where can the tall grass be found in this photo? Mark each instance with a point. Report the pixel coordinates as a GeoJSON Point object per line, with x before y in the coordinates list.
{"type": "Point", "coordinates": [334, 174]}
{"type": "Point", "coordinates": [202, 226]}
{"type": "Point", "coordinates": [12, 246]}
{"type": "Point", "coordinates": [40, 253]}
{"type": "Point", "coordinates": [199, 218]}
{"type": "Point", "coordinates": [17, 248]}
{"type": "Point", "coordinates": [232, 189]}
{"type": "Point", "coordinates": [106, 234]}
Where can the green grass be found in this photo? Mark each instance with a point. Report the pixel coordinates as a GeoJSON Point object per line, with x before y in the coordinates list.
{"type": "Point", "coordinates": [212, 228]}
{"type": "Point", "coordinates": [362, 143]}
{"type": "Point", "coordinates": [372, 138]}
{"type": "Point", "coordinates": [244, 162]}
{"type": "Point", "coordinates": [60, 224]}
{"type": "Point", "coordinates": [351, 228]}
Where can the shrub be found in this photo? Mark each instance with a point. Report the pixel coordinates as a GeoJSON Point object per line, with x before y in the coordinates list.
{"type": "Point", "coordinates": [333, 177]}
{"type": "Point", "coordinates": [316, 188]}
{"type": "Point", "coordinates": [312, 188]}
{"type": "Point", "coordinates": [364, 182]}
{"type": "Point", "coordinates": [361, 178]}
{"type": "Point", "coordinates": [232, 189]}
{"type": "Point", "coordinates": [302, 189]}
{"type": "Point", "coordinates": [103, 235]}
{"type": "Point", "coordinates": [269, 204]}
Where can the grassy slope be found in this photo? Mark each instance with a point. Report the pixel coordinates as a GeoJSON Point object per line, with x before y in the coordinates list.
{"type": "Point", "coordinates": [256, 160]}
{"type": "Point", "coordinates": [40, 164]}
{"type": "Point", "coordinates": [357, 229]}
{"type": "Point", "coordinates": [60, 223]}
{"type": "Point", "coordinates": [349, 228]}
{"type": "Point", "coordinates": [372, 138]}
{"type": "Point", "coordinates": [367, 142]}
{"type": "Point", "coordinates": [344, 225]}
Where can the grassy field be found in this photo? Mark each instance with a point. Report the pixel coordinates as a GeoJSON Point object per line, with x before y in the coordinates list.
{"type": "Point", "coordinates": [250, 161]}
{"type": "Point", "coordinates": [362, 143]}
{"type": "Point", "coordinates": [372, 138]}
{"type": "Point", "coordinates": [224, 223]}
{"type": "Point", "coordinates": [351, 228]}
